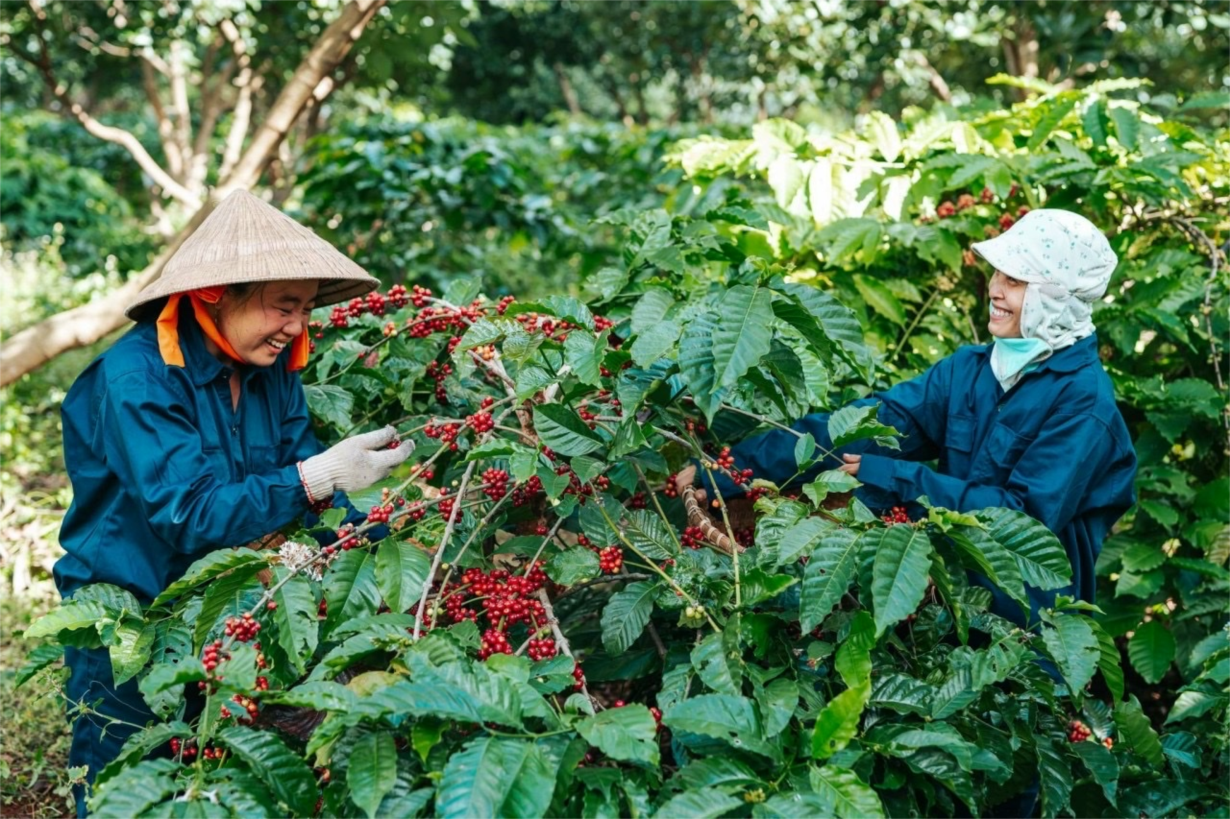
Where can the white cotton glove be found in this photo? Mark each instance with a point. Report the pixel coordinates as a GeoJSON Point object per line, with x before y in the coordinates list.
{"type": "Point", "coordinates": [353, 464]}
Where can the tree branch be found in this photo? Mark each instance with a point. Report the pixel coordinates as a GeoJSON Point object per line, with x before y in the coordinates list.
{"type": "Point", "coordinates": [149, 81]}
{"type": "Point", "coordinates": [179, 101]}
{"type": "Point", "coordinates": [334, 44]}
{"type": "Point", "coordinates": [38, 344]}
{"type": "Point", "coordinates": [106, 133]}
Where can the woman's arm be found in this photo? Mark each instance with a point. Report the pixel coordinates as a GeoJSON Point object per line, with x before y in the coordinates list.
{"type": "Point", "coordinates": [151, 441]}
{"type": "Point", "coordinates": [299, 442]}
{"type": "Point", "coordinates": [916, 408]}
{"type": "Point", "coordinates": [1049, 481]}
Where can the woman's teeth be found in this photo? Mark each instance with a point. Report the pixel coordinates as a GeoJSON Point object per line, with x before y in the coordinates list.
{"type": "Point", "coordinates": [277, 345]}
{"type": "Point", "coordinates": [997, 313]}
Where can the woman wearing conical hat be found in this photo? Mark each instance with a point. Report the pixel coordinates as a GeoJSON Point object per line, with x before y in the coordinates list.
{"type": "Point", "coordinates": [192, 434]}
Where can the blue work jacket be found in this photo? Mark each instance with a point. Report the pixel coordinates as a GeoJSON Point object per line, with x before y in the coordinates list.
{"type": "Point", "coordinates": [164, 470]}
{"type": "Point", "coordinates": [1054, 446]}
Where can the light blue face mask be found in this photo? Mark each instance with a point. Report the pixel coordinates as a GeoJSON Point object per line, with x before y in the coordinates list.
{"type": "Point", "coordinates": [1011, 358]}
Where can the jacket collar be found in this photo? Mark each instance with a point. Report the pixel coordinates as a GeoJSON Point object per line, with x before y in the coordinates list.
{"type": "Point", "coordinates": [1068, 360]}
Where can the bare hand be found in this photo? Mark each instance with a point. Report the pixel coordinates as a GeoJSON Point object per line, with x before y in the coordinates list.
{"type": "Point", "coordinates": [685, 478]}
{"type": "Point", "coordinates": [850, 467]}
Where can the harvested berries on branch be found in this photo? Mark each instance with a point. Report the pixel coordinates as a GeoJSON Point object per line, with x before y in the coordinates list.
{"type": "Point", "coordinates": [693, 537]}
{"type": "Point", "coordinates": [495, 483]}
{"type": "Point", "coordinates": [896, 515]}
{"type": "Point", "coordinates": [480, 422]}
{"type": "Point", "coordinates": [611, 560]}
{"type": "Point", "coordinates": [494, 642]}
{"type": "Point", "coordinates": [243, 629]}
{"type": "Point", "coordinates": [541, 649]}
{"type": "Point", "coordinates": [1078, 731]}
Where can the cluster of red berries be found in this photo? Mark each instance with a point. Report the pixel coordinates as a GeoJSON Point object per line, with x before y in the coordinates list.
{"type": "Point", "coordinates": [526, 492]}
{"type": "Point", "coordinates": [495, 483]}
{"type": "Point", "coordinates": [189, 749]}
{"type": "Point", "coordinates": [213, 753]}
{"type": "Point", "coordinates": [896, 515]}
{"type": "Point", "coordinates": [494, 641]}
{"type": "Point", "coordinates": [380, 514]}
{"type": "Point", "coordinates": [638, 501]}
{"type": "Point", "coordinates": [321, 506]}
{"type": "Point", "coordinates": [262, 683]}
{"type": "Point", "coordinates": [445, 506]}
{"type": "Point", "coordinates": [590, 418]}
{"type": "Point", "coordinates": [555, 329]}
{"type": "Point", "coordinates": [602, 323]}
{"type": "Point", "coordinates": [725, 460]}
{"type": "Point", "coordinates": [480, 422]}
{"type": "Point", "coordinates": [611, 560]}
{"type": "Point", "coordinates": [502, 306]}
{"type": "Point", "coordinates": [213, 655]}
{"type": "Point", "coordinates": [447, 433]}
{"type": "Point", "coordinates": [243, 628]}
{"type": "Point", "coordinates": [246, 705]}
{"type": "Point", "coordinates": [541, 649]}
{"type": "Point", "coordinates": [397, 296]}
{"type": "Point", "coordinates": [1078, 731]}
{"type": "Point", "coordinates": [419, 296]}
{"type": "Point", "coordinates": [671, 490]}
{"type": "Point", "coordinates": [579, 676]}
{"type": "Point", "coordinates": [692, 537]}
{"type": "Point", "coordinates": [438, 372]}
{"type": "Point", "coordinates": [656, 713]}
{"type": "Point", "coordinates": [502, 598]}
{"type": "Point", "coordinates": [746, 537]}
{"type": "Point", "coordinates": [453, 321]}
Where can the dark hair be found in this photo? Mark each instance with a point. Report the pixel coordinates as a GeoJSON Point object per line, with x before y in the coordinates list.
{"type": "Point", "coordinates": [242, 291]}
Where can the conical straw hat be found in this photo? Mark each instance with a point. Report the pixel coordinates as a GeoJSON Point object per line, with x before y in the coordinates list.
{"type": "Point", "coordinates": [247, 240]}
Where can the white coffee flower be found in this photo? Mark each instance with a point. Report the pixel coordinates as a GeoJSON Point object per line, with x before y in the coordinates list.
{"type": "Point", "coordinates": [299, 557]}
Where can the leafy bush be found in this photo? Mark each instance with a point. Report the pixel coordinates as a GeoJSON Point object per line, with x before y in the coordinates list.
{"type": "Point", "coordinates": [547, 596]}
{"type": "Point", "coordinates": [553, 631]}
{"type": "Point", "coordinates": [54, 186]}
{"type": "Point", "coordinates": [885, 216]}
{"type": "Point", "coordinates": [429, 202]}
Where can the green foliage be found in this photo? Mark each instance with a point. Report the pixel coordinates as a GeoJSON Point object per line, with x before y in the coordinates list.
{"type": "Point", "coordinates": [838, 665]}
{"type": "Point", "coordinates": [432, 201]}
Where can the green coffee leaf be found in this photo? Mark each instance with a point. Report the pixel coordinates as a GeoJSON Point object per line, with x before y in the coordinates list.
{"type": "Point", "coordinates": [628, 734]}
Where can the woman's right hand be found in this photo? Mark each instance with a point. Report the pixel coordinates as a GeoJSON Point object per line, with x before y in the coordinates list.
{"type": "Point", "coordinates": [685, 478]}
{"type": "Point", "coordinates": [353, 464]}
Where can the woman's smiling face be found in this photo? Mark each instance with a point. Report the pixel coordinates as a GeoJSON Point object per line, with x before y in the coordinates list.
{"type": "Point", "coordinates": [260, 324]}
{"type": "Point", "coordinates": [1007, 297]}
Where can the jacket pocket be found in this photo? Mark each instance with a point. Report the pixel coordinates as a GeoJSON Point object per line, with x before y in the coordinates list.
{"type": "Point", "coordinates": [999, 455]}
{"type": "Point", "coordinates": [262, 460]}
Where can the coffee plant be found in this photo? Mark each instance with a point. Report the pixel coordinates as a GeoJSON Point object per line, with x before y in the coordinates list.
{"type": "Point", "coordinates": [554, 627]}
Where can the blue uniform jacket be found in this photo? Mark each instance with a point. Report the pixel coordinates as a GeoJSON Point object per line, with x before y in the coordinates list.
{"type": "Point", "coordinates": [164, 470]}
{"type": "Point", "coordinates": [1054, 446]}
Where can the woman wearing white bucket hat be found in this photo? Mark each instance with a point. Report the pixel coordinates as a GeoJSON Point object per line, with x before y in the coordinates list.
{"type": "Point", "coordinates": [184, 437]}
{"type": "Point", "coordinates": [1028, 422]}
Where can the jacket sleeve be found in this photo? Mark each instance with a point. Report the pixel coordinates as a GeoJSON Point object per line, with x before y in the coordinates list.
{"type": "Point", "coordinates": [916, 408]}
{"type": "Point", "coordinates": [152, 443]}
{"type": "Point", "coordinates": [299, 442]}
{"type": "Point", "coordinates": [1049, 481]}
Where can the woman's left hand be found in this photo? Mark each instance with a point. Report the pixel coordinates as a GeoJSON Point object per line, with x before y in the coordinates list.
{"type": "Point", "coordinates": [850, 467]}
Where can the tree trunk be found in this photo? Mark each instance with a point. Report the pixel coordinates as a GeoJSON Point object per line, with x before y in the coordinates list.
{"type": "Point", "coordinates": [1021, 51]}
{"type": "Point", "coordinates": [36, 345]}
{"type": "Point", "coordinates": [565, 88]}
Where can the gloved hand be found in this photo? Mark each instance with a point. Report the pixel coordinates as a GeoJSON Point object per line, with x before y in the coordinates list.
{"type": "Point", "coordinates": [353, 464]}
